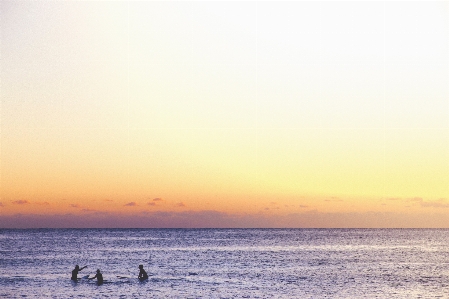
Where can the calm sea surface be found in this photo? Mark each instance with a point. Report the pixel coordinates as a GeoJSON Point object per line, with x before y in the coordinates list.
{"type": "Point", "coordinates": [226, 263]}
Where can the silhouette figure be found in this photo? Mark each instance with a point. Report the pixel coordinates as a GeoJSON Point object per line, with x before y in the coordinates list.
{"type": "Point", "coordinates": [98, 276]}
{"type": "Point", "coordinates": [75, 272]}
{"type": "Point", "coordinates": [142, 274]}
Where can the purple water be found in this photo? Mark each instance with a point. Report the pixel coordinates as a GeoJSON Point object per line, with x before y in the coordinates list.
{"type": "Point", "coordinates": [226, 263]}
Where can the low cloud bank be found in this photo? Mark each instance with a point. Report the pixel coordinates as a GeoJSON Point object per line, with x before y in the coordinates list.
{"type": "Point", "coordinates": [215, 219]}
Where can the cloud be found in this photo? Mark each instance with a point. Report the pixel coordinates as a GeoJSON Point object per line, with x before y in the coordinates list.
{"type": "Point", "coordinates": [441, 203]}
{"type": "Point", "coordinates": [418, 199]}
{"type": "Point", "coordinates": [108, 200]}
{"type": "Point", "coordinates": [180, 204]}
{"type": "Point", "coordinates": [131, 204]}
{"type": "Point", "coordinates": [1, 204]}
{"type": "Point", "coordinates": [88, 210]}
{"type": "Point", "coordinates": [157, 199]}
{"type": "Point", "coordinates": [151, 203]}
{"type": "Point", "coordinates": [75, 205]}
{"type": "Point", "coordinates": [333, 199]}
{"type": "Point", "coordinates": [21, 202]}
{"type": "Point", "coordinates": [303, 206]}
{"type": "Point", "coordinates": [45, 203]}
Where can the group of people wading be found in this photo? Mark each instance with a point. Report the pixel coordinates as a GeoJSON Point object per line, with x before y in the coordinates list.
{"type": "Point", "coordinates": [142, 274]}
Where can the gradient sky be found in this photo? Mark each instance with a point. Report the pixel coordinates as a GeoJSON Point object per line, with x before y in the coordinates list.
{"type": "Point", "coordinates": [224, 114]}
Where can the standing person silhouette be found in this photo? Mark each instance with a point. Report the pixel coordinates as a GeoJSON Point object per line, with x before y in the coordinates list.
{"type": "Point", "coordinates": [98, 276]}
{"type": "Point", "coordinates": [142, 274]}
{"type": "Point", "coordinates": [75, 272]}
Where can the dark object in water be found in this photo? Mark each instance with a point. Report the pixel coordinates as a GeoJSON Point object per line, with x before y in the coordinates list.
{"type": "Point", "coordinates": [142, 274]}
{"type": "Point", "coordinates": [98, 276]}
{"type": "Point", "coordinates": [75, 272]}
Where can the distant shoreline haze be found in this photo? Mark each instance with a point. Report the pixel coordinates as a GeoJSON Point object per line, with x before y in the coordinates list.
{"type": "Point", "coordinates": [213, 219]}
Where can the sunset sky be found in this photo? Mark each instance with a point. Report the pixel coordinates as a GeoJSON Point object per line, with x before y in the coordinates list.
{"type": "Point", "coordinates": [224, 114]}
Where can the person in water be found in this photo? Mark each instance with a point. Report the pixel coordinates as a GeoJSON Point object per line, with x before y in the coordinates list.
{"type": "Point", "coordinates": [75, 272]}
{"type": "Point", "coordinates": [98, 276]}
{"type": "Point", "coordinates": [142, 274]}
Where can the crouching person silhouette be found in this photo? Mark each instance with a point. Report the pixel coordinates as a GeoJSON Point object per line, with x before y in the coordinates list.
{"type": "Point", "coordinates": [142, 274]}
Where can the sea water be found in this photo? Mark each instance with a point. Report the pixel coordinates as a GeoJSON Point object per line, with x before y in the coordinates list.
{"type": "Point", "coordinates": [226, 263]}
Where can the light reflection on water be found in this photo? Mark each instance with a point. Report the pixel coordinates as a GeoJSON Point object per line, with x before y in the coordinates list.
{"type": "Point", "coordinates": [220, 263]}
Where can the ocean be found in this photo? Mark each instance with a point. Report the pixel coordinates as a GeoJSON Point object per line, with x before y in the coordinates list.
{"type": "Point", "coordinates": [226, 263]}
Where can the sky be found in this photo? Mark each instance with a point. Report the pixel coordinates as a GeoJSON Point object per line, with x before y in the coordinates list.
{"type": "Point", "coordinates": [224, 114]}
